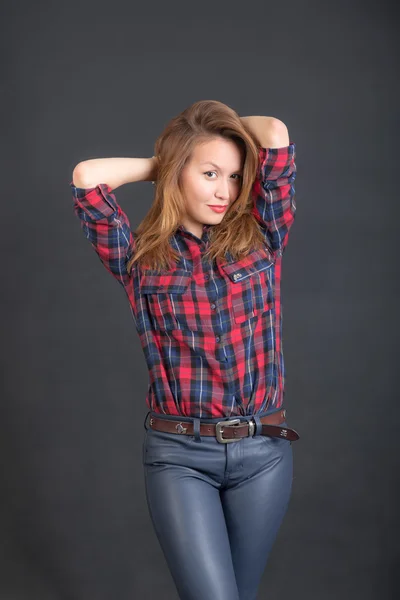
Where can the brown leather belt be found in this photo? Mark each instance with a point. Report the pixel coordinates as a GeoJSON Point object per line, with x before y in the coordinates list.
{"type": "Point", "coordinates": [230, 430]}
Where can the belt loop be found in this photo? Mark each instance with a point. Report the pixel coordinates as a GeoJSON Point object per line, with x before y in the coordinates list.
{"type": "Point", "coordinates": [145, 419]}
{"type": "Point", "coordinates": [258, 428]}
{"type": "Point", "coordinates": [247, 418]}
{"type": "Point", "coordinates": [196, 429]}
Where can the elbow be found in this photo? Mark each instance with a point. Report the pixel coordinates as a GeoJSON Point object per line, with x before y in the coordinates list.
{"type": "Point", "coordinates": [279, 133]}
{"type": "Point", "coordinates": [78, 175]}
{"type": "Point", "coordinates": [276, 124]}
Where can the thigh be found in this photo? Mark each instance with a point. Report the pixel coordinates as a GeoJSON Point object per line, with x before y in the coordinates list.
{"type": "Point", "coordinates": [186, 512]}
{"type": "Point", "coordinates": [254, 508]}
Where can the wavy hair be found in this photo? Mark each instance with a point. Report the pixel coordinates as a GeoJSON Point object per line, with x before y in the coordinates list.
{"type": "Point", "coordinates": [239, 231]}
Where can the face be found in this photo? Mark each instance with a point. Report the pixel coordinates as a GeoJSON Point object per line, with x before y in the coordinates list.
{"type": "Point", "coordinates": [213, 177]}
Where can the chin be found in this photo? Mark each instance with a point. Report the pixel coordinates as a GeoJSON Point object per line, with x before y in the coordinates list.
{"type": "Point", "coordinates": [216, 217]}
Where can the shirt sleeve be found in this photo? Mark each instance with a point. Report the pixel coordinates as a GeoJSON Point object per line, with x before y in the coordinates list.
{"type": "Point", "coordinates": [106, 226]}
{"type": "Point", "coordinates": [273, 192]}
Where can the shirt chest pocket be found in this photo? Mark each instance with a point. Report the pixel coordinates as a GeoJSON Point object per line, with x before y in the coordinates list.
{"type": "Point", "coordinates": [251, 284]}
{"type": "Point", "coordinates": [163, 295]}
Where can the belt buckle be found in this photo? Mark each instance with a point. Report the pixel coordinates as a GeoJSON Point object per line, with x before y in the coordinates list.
{"type": "Point", "coordinates": [219, 431]}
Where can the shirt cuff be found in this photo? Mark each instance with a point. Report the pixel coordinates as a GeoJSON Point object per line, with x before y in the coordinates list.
{"type": "Point", "coordinates": [274, 163]}
{"type": "Point", "coordinates": [97, 202]}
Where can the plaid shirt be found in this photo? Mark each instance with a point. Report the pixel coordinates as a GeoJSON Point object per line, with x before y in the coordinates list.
{"type": "Point", "coordinates": [211, 333]}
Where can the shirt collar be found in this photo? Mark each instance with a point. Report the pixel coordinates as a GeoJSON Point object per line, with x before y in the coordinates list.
{"type": "Point", "coordinates": [206, 227]}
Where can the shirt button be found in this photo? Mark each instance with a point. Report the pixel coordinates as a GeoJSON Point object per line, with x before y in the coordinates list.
{"type": "Point", "coordinates": [218, 339]}
{"type": "Point", "coordinates": [212, 305]}
{"type": "Point", "coordinates": [206, 277]}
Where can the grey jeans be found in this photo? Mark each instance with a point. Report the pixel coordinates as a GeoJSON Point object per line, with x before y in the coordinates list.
{"type": "Point", "coordinates": [216, 508]}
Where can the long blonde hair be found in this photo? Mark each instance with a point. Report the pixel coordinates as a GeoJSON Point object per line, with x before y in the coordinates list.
{"type": "Point", "coordinates": [239, 231]}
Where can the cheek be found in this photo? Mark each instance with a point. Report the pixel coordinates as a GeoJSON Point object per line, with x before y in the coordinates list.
{"type": "Point", "coordinates": [196, 193]}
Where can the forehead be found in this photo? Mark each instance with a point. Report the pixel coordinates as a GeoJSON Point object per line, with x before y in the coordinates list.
{"type": "Point", "coordinates": [224, 153]}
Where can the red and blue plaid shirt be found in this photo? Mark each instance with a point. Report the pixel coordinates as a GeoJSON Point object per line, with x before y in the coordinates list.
{"type": "Point", "coordinates": [211, 333]}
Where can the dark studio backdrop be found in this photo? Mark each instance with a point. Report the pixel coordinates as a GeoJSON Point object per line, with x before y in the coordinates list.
{"type": "Point", "coordinates": [98, 79]}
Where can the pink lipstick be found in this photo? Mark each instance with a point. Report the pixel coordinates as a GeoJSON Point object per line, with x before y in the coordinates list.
{"type": "Point", "coordinates": [218, 209]}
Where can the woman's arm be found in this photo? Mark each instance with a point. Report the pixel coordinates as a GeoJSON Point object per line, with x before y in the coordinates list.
{"type": "Point", "coordinates": [273, 191]}
{"type": "Point", "coordinates": [269, 131]}
{"type": "Point", "coordinates": [114, 171]}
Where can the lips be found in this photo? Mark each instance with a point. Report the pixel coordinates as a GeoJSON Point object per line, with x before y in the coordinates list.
{"type": "Point", "coordinates": [218, 208]}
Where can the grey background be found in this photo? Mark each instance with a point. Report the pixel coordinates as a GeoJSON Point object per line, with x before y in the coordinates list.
{"type": "Point", "coordinates": [95, 79]}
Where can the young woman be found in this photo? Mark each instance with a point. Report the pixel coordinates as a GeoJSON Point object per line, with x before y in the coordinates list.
{"type": "Point", "coordinates": [202, 274]}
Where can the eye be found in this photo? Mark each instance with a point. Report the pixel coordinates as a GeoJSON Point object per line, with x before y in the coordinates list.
{"type": "Point", "coordinates": [234, 175]}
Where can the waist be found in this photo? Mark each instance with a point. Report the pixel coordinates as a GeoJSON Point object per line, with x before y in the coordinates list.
{"type": "Point", "coordinates": [228, 429]}
{"type": "Point", "coordinates": [153, 413]}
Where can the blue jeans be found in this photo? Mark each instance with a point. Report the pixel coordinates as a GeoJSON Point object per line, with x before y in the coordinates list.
{"type": "Point", "coordinates": [216, 508]}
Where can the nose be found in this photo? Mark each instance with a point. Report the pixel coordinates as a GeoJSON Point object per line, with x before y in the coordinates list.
{"type": "Point", "coordinates": [223, 190]}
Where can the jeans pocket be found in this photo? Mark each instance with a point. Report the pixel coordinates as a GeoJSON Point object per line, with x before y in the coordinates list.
{"type": "Point", "coordinates": [165, 446]}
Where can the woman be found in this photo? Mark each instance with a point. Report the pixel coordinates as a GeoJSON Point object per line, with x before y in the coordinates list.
{"type": "Point", "coordinates": [202, 275]}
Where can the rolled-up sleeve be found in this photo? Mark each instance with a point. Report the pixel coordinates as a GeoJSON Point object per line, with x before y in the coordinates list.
{"type": "Point", "coordinates": [106, 226]}
{"type": "Point", "coordinates": [273, 193]}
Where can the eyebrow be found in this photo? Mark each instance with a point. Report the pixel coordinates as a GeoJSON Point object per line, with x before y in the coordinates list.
{"type": "Point", "coordinates": [207, 162]}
